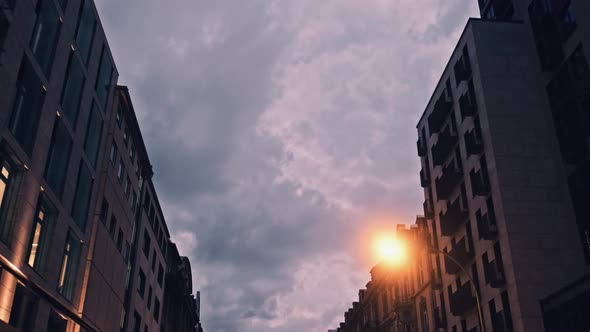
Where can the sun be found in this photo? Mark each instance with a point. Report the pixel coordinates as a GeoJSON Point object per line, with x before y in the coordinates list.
{"type": "Point", "coordinates": [390, 250]}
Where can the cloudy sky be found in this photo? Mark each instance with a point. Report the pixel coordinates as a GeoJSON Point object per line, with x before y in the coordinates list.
{"type": "Point", "coordinates": [282, 134]}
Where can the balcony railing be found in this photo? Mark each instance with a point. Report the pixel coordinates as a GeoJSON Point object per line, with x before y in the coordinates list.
{"type": "Point", "coordinates": [441, 110]}
{"type": "Point", "coordinates": [421, 146]}
{"type": "Point", "coordinates": [461, 254]}
{"type": "Point", "coordinates": [448, 181]}
{"type": "Point", "coordinates": [486, 226]}
{"type": "Point", "coordinates": [494, 273]}
{"type": "Point", "coordinates": [428, 209]}
{"type": "Point", "coordinates": [443, 147]}
{"type": "Point", "coordinates": [473, 142]}
{"type": "Point", "coordinates": [462, 300]}
{"type": "Point", "coordinates": [479, 183]}
{"type": "Point", "coordinates": [455, 216]}
{"type": "Point", "coordinates": [424, 179]}
{"type": "Point", "coordinates": [463, 68]}
{"type": "Point", "coordinates": [468, 107]}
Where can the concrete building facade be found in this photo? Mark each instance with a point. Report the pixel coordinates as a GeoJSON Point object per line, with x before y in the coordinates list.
{"type": "Point", "coordinates": [493, 182]}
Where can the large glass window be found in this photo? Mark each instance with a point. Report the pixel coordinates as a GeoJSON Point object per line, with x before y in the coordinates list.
{"type": "Point", "coordinates": [103, 80]}
{"type": "Point", "coordinates": [59, 157]}
{"type": "Point", "coordinates": [82, 198]}
{"type": "Point", "coordinates": [93, 134]}
{"type": "Point", "coordinates": [45, 34]}
{"type": "Point", "coordinates": [69, 266]}
{"type": "Point", "coordinates": [72, 91]}
{"type": "Point", "coordinates": [29, 98]}
{"type": "Point", "coordinates": [44, 218]}
{"type": "Point", "coordinates": [85, 29]}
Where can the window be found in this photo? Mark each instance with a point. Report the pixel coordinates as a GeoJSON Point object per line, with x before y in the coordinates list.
{"type": "Point", "coordinates": [7, 199]}
{"type": "Point", "coordinates": [132, 151]}
{"type": "Point", "coordinates": [118, 115]}
{"type": "Point", "coordinates": [141, 283]}
{"type": "Point", "coordinates": [127, 187]}
{"type": "Point", "coordinates": [121, 172]}
{"type": "Point", "coordinates": [149, 299]}
{"type": "Point", "coordinates": [122, 319]}
{"type": "Point", "coordinates": [126, 251]}
{"type": "Point", "coordinates": [85, 29]}
{"type": "Point", "coordinates": [45, 34]}
{"type": "Point", "coordinates": [104, 211]}
{"type": "Point", "coordinates": [154, 260]}
{"type": "Point", "coordinates": [82, 197]}
{"type": "Point", "coordinates": [113, 154]}
{"type": "Point", "coordinates": [59, 157]}
{"type": "Point", "coordinates": [133, 200]}
{"type": "Point", "coordinates": [146, 243]}
{"type": "Point", "coordinates": [56, 322]}
{"type": "Point", "coordinates": [126, 136]}
{"type": "Point", "coordinates": [112, 227]}
{"type": "Point", "coordinates": [69, 266]}
{"type": "Point", "coordinates": [28, 100]}
{"type": "Point", "coordinates": [156, 309]}
{"type": "Point", "coordinates": [103, 79]}
{"type": "Point", "coordinates": [93, 134]}
{"type": "Point", "coordinates": [24, 305]}
{"type": "Point", "coordinates": [120, 240]}
{"type": "Point", "coordinates": [136, 322]}
{"type": "Point", "coordinates": [44, 217]}
{"type": "Point", "coordinates": [160, 274]}
{"type": "Point", "coordinates": [72, 90]}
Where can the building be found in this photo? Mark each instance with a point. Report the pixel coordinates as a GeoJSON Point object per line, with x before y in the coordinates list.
{"type": "Point", "coordinates": [493, 179]}
{"type": "Point", "coordinates": [57, 77]}
{"type": "Point", "coordinates": [83, 240]}
{"type": "Point", "coordinates": [181, 309]}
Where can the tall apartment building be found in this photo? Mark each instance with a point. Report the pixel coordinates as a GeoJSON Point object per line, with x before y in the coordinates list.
{"type": "Point", "coordinates": [83, 240]}
{"type": "Point", "coordinates": [494, 181]}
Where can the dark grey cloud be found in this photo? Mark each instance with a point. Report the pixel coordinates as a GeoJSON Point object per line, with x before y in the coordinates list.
{"type": "Point", "coordinates": [280, 131]}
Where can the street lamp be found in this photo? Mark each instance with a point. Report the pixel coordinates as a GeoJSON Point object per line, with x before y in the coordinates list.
{"type": "Point", "coordinates": [393, 250]}
{"type": "Point", "coordinates": [471, 282]}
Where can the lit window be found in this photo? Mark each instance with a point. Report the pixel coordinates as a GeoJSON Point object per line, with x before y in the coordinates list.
{"type": "Point", "coordinates": [69, 266]}
{"type": "Point", "coordinates": [7, 198]}
{"type": "Point", "coordinates": [44, 217]}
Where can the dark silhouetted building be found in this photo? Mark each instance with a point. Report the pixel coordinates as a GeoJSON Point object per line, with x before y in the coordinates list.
{"type": "Point", "coordinates": [181, 308]}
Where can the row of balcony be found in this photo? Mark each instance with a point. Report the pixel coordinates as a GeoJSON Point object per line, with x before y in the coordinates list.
{"type": "Point", "coordinates": [455, 215]}
{"type": "Point", "coordinates": [443, 147]}
{"type": "Point", "coordinates": [440, 112]}
{"type": "Point", "coordinates": [486, 225]}
{"type": "Point", "coordinates": [448, 181]}
{"type": "Point", "coordinates": [494, 273]}
{"type": "Point", "coordinates": [463, 67]}
{"type": "Point", "coordinates": [462, 300]}
{"type": "Point", "coordinates": [460, 254]}
{"type": "Point", "coordinates": [480, 185]}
